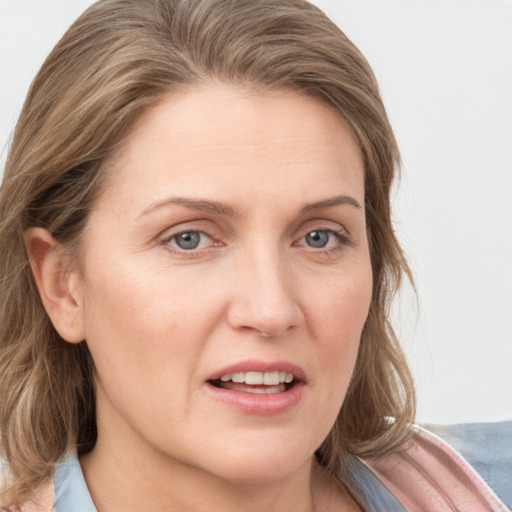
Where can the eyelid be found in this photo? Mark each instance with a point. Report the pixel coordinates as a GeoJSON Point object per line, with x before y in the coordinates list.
{"type": "Point", "coordinates": [337, 233]}
{"type": "Point", "coordinates": [323, 225]}
{"type": "Point", "coordinates": [196, 225]}
{"type": "Point", "coordinates": [168, 238]}
{"type": "Point", "coordinates": [337, 230]}
{"type": "Point", "coordinates": [201, 227]}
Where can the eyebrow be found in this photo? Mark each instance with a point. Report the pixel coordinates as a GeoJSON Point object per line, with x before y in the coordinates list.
{"type": "Point", "coordinates": [201, 205]}
{"type": "Point", "coordinates": [214, 207]}
{"type": "Point", "coordinates": [328, 203]}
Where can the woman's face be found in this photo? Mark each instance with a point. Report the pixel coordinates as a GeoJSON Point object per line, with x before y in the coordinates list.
{"type": "Point", "coordinates": [226, 257]}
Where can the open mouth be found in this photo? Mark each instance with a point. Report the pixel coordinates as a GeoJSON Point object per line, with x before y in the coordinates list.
{"type": "Point", "coordinates": [256, 382]}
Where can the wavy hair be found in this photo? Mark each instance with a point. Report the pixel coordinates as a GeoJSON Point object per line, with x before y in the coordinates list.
{"type": "Point", "coordinates": [116, 61]}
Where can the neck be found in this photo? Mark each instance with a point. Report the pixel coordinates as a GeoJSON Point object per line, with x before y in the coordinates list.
{"type": "Point", "coordinates": [119, 482]}
{"type": "Point", "coordinates": [125, 473]}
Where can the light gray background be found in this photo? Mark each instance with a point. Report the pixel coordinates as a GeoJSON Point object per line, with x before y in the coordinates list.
{"type": "Point", "coordinates": [445, 69]}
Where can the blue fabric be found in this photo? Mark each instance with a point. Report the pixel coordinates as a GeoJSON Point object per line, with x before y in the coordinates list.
{"type": "Point", "coordinates": [488, 448]}
{"type": "Point", "coordinates": [72, 495]}
{"type": "Point", "coordinates": [372, 493]}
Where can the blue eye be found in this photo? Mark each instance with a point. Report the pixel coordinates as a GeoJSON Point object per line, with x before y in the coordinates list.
{"type": "Point", "coordinates": [188, 241]}
{"type": "Point", "coordinates": [319, 238]}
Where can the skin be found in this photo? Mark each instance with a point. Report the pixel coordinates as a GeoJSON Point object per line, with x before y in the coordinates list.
{"type": "Point", "coordinates": [159, 319]}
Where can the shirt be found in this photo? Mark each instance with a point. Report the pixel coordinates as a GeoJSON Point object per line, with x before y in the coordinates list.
{"type": "Point", "coordinates": [429, 475]}
{"type": "Point", "coordinates": [72, 495]}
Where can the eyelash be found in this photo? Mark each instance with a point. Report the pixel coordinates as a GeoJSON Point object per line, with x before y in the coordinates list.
{"type": "Point", "coordinates": [342, 239]}
{"type": "Point", "coordinates": [167, 243]}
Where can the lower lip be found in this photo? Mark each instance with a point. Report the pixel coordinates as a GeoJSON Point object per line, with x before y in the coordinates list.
{"type": "Point", "coordinates": [259, 404]}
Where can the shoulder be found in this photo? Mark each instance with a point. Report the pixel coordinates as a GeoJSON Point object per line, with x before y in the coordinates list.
{"type": "Point", "coordinates": [488, 449]}
{"type": "Point", "coordinates": [42, 501]}
{"type": "Point", "coordinates": [430, 475]}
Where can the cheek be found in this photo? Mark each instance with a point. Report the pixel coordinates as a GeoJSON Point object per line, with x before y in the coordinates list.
{"type": "Point", "coordinates": [139, 318]}
{"type": "Point", "coordinates": [342, 305]}
{"type": "Point", "coordinates": [337, 312]}
{"type": "Point", "coordinates": [341, 312]}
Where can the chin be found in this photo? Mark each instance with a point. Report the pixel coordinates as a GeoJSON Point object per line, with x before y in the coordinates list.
{"type": "Point", "coordinates": [250, 473]}
{"type": "Point", "coordinates": [264, 461]}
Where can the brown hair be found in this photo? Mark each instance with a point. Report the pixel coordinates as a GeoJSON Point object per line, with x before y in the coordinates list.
{"type": "Point", "coordinates": [119, 58]}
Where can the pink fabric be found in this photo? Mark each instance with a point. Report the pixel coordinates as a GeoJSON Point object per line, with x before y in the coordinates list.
{"type": "Point", "coordinates": [431, 476]}
{"type": "Point", "coordinates": [43, 500]}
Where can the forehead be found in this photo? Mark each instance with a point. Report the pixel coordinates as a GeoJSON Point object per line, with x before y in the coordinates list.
{"type": "Point", "coordinates": [219, 138]}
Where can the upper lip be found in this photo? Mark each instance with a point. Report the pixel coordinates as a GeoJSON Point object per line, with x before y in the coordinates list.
{"type": "Point", "coordinates": [261, 366]}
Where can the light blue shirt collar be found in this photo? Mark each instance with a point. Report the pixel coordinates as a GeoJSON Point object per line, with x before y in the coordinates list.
{"type": "Point", "coordinates": [72, 495]}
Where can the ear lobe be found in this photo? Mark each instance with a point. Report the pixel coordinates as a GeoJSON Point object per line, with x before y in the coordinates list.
{"type": "Point", "coordinates": [58, 286]}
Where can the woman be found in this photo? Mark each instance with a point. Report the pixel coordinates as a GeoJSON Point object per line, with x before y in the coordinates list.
{"type": "Point", "coordinates": [197, 265]}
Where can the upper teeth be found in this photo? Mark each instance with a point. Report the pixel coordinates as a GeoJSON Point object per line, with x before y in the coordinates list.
{"type": "Point", "coordinates": [267, 378]}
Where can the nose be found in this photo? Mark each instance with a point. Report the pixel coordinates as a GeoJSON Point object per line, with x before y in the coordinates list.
{"type": "Point", "coordinates": [264, 299]}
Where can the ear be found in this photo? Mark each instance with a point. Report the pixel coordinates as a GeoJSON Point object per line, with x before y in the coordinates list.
{"type": "Point", "coordinates": [59, 287]}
